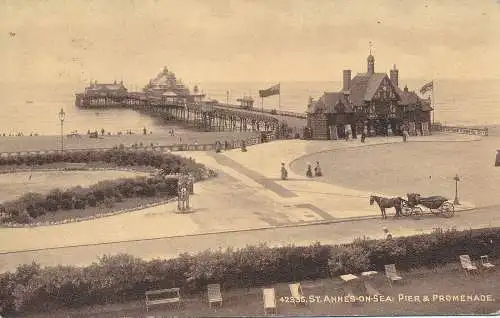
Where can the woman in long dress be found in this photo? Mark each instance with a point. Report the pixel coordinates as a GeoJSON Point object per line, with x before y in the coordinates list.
{"type": "Point", "coordinates": [309, 173]}
{"type": "Point", "coordinates": [317, 170]}
{"type": "Point", "coordinates": [284, 172]}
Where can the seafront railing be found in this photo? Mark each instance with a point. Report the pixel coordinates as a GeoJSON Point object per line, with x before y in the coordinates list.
{"type": "Point", "coordinates": [461, 130]}
{"type": "Point", "coordinates": [228, 144]}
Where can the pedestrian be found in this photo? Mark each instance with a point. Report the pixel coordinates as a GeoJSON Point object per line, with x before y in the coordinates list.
{"type": "Point", "coordinates": [317, 170]}
{"type": "Point", "coordinates": [284, 172]}
{"type": "Point", "coordinates": [387, 234]}
{"type": "Point", "coordinates": [309, 173]}
{"type": "Point", "coordinates": [363, 137]}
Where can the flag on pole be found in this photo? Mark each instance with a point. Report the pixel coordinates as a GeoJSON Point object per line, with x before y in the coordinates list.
{"type": "Point", "coordinates": [273, 90]}
{"type": "Point", "coordinates": [427, 87]}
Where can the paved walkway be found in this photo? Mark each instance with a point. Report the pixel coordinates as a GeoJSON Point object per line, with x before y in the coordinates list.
{"type": "Point", "coordinates": [336, 201]}
{"type": "Point", "coordinates": [330, 233]}
{"type": "Point", "coordinates": [247, 194]}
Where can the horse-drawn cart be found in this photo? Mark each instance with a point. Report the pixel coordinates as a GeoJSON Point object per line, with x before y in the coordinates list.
{"type": "Point", "coordinates": [437, 205]}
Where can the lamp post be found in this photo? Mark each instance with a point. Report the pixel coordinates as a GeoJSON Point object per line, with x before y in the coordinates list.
{"type": "Point", "coordinates": [456, 178]}
{"type": "Point", "coordinates": [227, 98]}
{"type": "Point", "coordinates": [62, 115]}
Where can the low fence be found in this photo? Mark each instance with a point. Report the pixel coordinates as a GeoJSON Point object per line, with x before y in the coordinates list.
{"type": "Point", "coordinates": [231, 144]}
{"type": "Point", "coordinates": [461, 130]}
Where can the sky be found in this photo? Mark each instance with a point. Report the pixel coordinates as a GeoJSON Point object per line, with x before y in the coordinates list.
{"type": "Point", "coordinates": [77, 41]}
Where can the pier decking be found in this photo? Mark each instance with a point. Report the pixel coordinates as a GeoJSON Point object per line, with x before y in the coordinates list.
{"type": "Point", "coordinates": [205, 115]}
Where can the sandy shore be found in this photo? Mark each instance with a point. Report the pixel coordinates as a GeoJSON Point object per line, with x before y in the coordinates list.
{"type": "Point", "coordinates": [32, 143]}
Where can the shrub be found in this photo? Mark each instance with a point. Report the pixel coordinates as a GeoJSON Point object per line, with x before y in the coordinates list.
{"type": "Point", "coordinates": [33, 205]}
{"type": "Point", "coordinates": [105, 193]}
{"type": "Point", "coordinates": [124, 277]}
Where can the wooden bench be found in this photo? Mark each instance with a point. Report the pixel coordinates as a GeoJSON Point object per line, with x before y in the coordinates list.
{"type": "Point", "coordinates": [163, 296]}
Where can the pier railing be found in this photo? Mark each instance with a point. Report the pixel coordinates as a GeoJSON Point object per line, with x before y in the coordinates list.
{"type": "Point", "coordinates": [461, 130]}
{"type": "Point", "coordinates": [267, 111]}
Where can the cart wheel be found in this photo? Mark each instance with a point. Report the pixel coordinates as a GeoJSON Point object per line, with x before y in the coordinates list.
{"type": "Point", "coordinates": [447, 209]}
{"type": "Point", "coordinates": [405, 209]}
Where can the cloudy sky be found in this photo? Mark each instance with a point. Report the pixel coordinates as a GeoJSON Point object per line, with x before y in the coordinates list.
{"type": "Point", "coordinates": [238, 40]}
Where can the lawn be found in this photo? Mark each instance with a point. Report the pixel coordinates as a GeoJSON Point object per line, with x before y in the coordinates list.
{"type": "Point", "coordinates": [39, 179]}
{"type": "Point", "coordinates": [448, 280]}
{"type": "Point", "coordinates": [16, 184]}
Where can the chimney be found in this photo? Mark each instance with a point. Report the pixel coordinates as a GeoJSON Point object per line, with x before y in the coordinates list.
{"type": "Point", "coordinates": [346, 80]}
{"type": "Point", "coordinates": [394, 76]}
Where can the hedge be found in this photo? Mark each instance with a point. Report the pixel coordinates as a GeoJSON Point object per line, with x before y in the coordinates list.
{"type": "Point", "coordinates": [121, 278]}
{"type": "Point", "coordinates": [166, 161]}
{"type": "Point", "coordinates": [32, 205]}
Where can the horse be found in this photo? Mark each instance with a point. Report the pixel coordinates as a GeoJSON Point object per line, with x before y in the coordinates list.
{"type": "Point", "coordinates": [387, 203]}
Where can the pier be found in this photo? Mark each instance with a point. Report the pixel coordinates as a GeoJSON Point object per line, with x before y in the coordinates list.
{"type": "Point", "coordinates": [208, 116]}
{"type": "Point", "coordinates": [166, 97]}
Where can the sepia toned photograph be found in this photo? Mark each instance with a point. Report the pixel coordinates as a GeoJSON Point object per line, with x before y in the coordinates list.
{"type": "Point", "coordinates": [249, 158]}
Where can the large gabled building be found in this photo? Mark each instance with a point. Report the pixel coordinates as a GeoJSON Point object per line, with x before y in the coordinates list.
{"type": "Point", "coordinates": [370, 102]}
{"type": "Point", "coordinates": [97, 89]}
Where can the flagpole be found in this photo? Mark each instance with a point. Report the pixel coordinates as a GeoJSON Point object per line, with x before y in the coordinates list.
{"type": "Point", "coordinates": [433, 103]}
{"type": "Point", "coordinates": [279, 98]}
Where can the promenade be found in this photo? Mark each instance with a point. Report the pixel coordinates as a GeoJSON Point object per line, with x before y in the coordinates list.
{"type": "Point", "coordinates": [246, 204]}
{"type": "Point", "coordinates": [163, 138]}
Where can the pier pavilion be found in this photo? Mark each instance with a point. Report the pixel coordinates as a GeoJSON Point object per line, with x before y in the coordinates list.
{"type": "Point", "coordinates": [167, 97]}
{"type": "Point", "coordinates": [167, 86]}
{"type": "Point", "coordinates": [105, 94]}
{"type": "Point", "coordinates": [370, 102]}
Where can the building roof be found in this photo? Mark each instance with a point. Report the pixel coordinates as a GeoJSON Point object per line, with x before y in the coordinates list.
{"type": "Point", "coordinates": [363, 86]}
{"type": "Point", "coordinates": [109, 87]}
{"type": "Point", "coordinates": [331, 103]}
{"type": "Point", "coordinates": [408, 98]}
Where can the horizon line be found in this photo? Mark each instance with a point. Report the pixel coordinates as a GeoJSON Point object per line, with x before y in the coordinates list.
{"type": "Point", "coordinates": [194, 82]}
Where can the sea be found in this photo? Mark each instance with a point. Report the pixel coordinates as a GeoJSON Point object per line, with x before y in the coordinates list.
{"type": "Point", "coordinates": [34, 107]}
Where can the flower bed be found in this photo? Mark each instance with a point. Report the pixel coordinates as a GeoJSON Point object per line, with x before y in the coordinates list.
{"type": "Point", "coordinates": [30, 206]}
{"type": "Point", "coordinates": [120, 278]}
